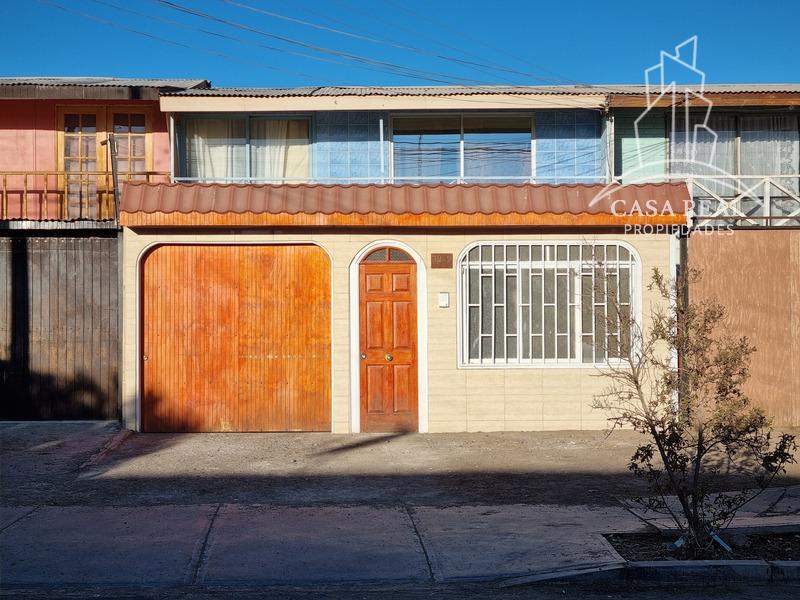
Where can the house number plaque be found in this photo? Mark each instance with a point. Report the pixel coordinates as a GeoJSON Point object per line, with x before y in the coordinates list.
{"type": "Point", "coordinates": [441, 261]}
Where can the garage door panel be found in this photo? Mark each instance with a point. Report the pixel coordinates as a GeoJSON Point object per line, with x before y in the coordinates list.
{"type": "Point", "coordinates": [237, 338]}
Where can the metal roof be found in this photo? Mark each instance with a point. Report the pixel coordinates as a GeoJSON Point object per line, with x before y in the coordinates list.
{"type": "Point", "coordinates": [487, 199]}
{"type": "Point", "coordinates": [574, 90]}
{"type": "Point", "coordinates": [183, 84]}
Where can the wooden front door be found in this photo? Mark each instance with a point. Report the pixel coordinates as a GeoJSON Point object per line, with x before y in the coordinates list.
{"type": "Point", "coordinates": [388, 338]}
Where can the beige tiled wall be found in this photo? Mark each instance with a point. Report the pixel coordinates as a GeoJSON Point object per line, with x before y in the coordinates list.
{"type": "Point", "coordinates": [475, 399]}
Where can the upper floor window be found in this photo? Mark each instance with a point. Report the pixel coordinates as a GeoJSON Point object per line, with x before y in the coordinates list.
{"type": "Point", "coordinates": [453, 148]}
{"type": "Point", "coordinates": [548, 146]}
{"type": "Point", "coordinates": [244, 149]}
{"type": "Point", "coordinates": [747, 144]}
{"type": "Point", "coordinates": [427, 149]}
{"type": "Point", "coordinates": [130, 133]}
{"type": "Point", "coordinates": [546, 303]}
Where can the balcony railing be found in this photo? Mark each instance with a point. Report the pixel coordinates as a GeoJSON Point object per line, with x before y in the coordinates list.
{"type": "Point", "coordinates": [411, 180]}
{"type": "Point", "coordinates": [746, 200]}
{"type": "Point", "coordinates": [64, 195]}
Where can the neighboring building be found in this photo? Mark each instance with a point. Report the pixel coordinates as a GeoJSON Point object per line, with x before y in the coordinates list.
{"type": "Point", "coordinates": [59, 336]}
{"type": "Point", "coordinates": [747, 178]}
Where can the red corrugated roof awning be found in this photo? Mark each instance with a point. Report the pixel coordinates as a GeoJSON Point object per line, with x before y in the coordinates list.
{"type": "Point", "coordinates": [649, 202]}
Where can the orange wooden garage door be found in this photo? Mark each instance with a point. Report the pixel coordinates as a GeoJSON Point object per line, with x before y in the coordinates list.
{"type": "Point", "coordinates": [236, 338]}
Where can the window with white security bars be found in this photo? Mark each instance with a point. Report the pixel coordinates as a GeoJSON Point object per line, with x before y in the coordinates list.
{"type": "Point", "coordinates": [546, 303]}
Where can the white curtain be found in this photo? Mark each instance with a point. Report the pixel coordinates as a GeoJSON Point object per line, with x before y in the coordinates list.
{"type": "Point", "coordinates": [694, 150]}
{"type": "Point", "coordinates": [770, 145]}
{"type": "Point", "coordinates": [279, 150]}
{"type": "Point", "coordinates": [216, 149]}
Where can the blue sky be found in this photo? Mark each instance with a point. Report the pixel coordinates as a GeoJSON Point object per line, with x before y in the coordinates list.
{"type": "Point", "coordinates": [397, 42]}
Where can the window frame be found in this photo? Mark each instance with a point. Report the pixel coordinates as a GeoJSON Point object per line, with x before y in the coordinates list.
{"type": "Point", "coordinates": [462, 333]}
{"type": "Point", "coordinates": [737, 138]}
{"type": "Point", "coordinates": [148, 129]}
{"type": "Point", "coordinates": [104, 125]}
{"type": "Point", "coordinates": [461, 179]}
{"type": "Point", "coordinates": [179, 142]}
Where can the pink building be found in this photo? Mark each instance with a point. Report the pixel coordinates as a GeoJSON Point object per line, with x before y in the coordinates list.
{"type": "Point", "coordinates": [59, 339]}
{"type": "Point", "coordinates": [54, 162]}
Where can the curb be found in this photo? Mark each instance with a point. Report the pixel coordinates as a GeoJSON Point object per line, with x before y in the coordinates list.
{"type": "Point", "coordinates": [708, 572]}
{"type": "Point", "coordinates": [758, 525]}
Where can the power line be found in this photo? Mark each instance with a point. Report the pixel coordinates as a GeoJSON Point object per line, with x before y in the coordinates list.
{"type": "Point", "coordinates": [394, 68]}
{"type": "Point", "coordinates": [480, 42]}
{"type": "Point", "coordinates": [238, 40]}
{"type": "Point", "coordinates": [382, 41]}
{"type": "Point", "coordinates": [165, 40]}
{"type": "Point", "coordinates": [492, 66]}
{"type": "Point", "coordinates": [229, 57]}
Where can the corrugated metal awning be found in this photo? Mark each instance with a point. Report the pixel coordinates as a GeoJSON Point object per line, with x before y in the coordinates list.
{"type": "Point", "coordinates": [475, 90]}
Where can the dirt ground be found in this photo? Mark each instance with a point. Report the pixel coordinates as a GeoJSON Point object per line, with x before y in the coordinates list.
{"type": "Point", "coordinates": [70, 464]}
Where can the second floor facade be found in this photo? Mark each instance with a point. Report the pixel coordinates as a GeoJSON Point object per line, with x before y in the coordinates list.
{"type": "Point", "coordinates": [741, 158]}
{"type": "Point", "coordinates": [55, 156]}
{"type": "Point", "coordinates": [449, 147]}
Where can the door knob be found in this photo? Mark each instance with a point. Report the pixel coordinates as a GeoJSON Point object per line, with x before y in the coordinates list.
{"type": "Point", "coordinates": [363, 356]}
{"type": "Point", "coordinates": [389, 357]}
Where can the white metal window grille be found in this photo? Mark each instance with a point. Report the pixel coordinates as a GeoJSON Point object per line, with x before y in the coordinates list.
{"type": "Point", "coordinates": [546, 303]}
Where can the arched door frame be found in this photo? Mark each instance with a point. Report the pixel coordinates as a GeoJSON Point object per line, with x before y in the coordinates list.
{"type": "Point", "coordinates": [422, 334]}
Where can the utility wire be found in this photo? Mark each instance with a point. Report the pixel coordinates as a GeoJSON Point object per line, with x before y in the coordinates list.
{"type": "Point", "coordinates": [403, 7]}
{"type": "Point", "coordinates": [395, 69]}
{"type": "Point", "coordinates": [262, 65]}
{"type": "Point", "coordinates": [418, 34]}
{"type": "Point", "coordinates": [167, 41]}
{"type": "Point", "coordinates": [482, 67]}
{"type": "Point", "coordinates": [392, 68]}
{"type": "Point", "coordinates": [238, 40]}
{"type": "Point", "coordinates": [558, 81]}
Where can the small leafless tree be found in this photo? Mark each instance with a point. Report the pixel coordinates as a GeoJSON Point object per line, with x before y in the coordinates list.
{"type": "Point", "coordinates": [705, 435]}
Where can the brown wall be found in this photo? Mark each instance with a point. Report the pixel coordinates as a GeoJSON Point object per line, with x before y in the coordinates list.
{"type": "Point", "coordinates": [59, 340]}
{"type": "Point", "coordinates": [756, 275]}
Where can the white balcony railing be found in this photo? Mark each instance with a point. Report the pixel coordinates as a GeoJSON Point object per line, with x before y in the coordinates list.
{"type": "Point", "coordinates": [397, 180]}
{"type": "Point", "coordinates": [750, 200]}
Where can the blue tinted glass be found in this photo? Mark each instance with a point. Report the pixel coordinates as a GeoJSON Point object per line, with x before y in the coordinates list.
{"type": "Point", "coordinates": [426, 149]}
{"type": "Point", "coordinates": [497, 147]}
{"type": "Point", "coordinates": [568, 146]}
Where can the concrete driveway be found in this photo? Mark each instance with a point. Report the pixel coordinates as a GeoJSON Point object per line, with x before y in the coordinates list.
{"type": "Point", "coordinates": [48, 464]}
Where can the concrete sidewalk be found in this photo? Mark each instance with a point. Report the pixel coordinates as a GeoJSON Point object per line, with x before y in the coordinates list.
{"type": "Point", "coordinates": [234, 544]}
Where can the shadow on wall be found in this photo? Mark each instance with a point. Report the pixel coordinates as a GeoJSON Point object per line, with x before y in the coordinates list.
{"type": "Point", "coordinates": [28, 395]}
{"type": "Point", "coordinates": [57, 334]}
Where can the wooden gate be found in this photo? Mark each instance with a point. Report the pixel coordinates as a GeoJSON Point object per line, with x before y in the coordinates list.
{"type": "Point", "coordinates": [59, 336]}
{"type": "Point", "coordinates": [236, 338]}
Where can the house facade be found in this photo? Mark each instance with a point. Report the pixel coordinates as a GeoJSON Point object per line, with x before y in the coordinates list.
{"type": "Point", "coordinates": [432, 259]}
{"type": "Point", "coordinates": [382, 259]}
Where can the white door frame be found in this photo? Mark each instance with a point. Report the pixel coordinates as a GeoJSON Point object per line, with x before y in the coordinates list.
{"type": "Point", "coordinates": [422, 335]}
